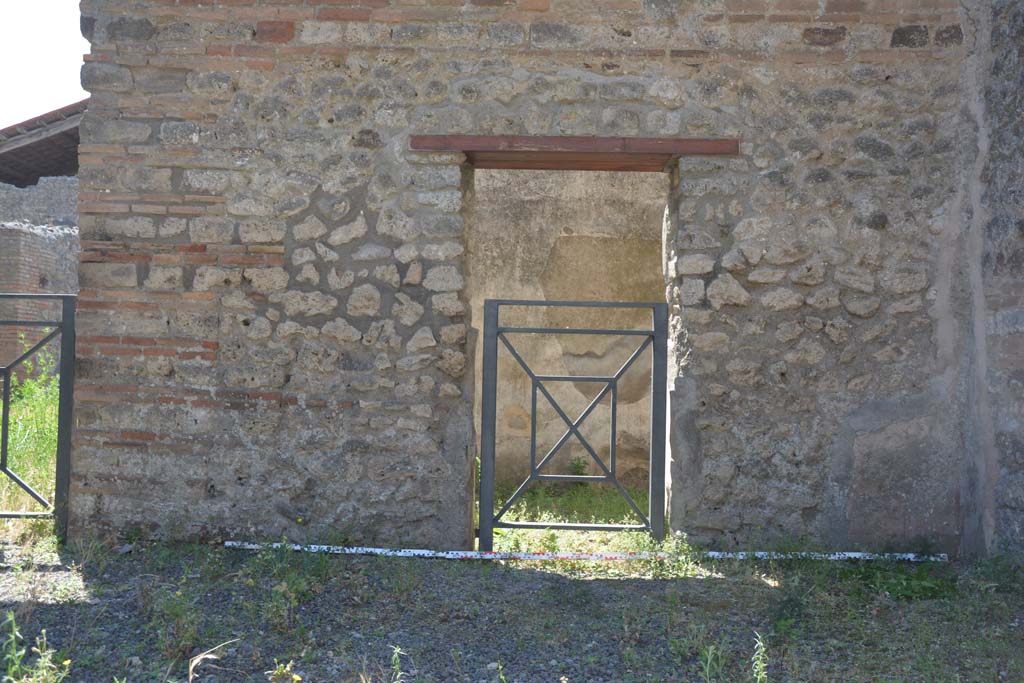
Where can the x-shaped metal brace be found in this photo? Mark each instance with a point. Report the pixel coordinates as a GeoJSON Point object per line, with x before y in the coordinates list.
{"type": "Point", "coordinates": [610, 385]}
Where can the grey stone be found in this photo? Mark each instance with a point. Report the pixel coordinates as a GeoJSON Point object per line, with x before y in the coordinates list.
{"type": "Point", "coordinates": [862, 306]}
{"type": "Point", "coordinates": [909, 36]}
{"type": "Point", "coordinates": [443, 279]}
{"type": "Point", "coordinates": [725, 290]}
{"type": "Point", "coordinates": [304, 303]}
{"type": "Point", "coordinates": [211, 230]}
{"type": "Point", "coordinates": [309, 229]}
{"type": "Point", "coordinates": [694, 264]}
{"type": "Point", "coordinates": [364, 301]}
{"type": "Point", "coordinates": [782, 299]}
{"type": "Point", "coordinates": [341, 331]}
{"type": "Point", "coordinates": [102, 76]}
{"type": "Point", "coordinates": [348, 232]}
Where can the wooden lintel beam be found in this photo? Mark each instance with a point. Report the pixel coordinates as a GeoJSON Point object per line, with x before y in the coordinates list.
{"type": "Point", "coordinates": [578, 144]}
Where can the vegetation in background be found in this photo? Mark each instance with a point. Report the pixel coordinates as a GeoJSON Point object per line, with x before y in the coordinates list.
{"type": "Point", "coordinates": [32, 437]}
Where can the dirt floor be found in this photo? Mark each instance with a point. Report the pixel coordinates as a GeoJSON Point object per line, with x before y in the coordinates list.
{"type": "Point", "coordinates": [140, 612]}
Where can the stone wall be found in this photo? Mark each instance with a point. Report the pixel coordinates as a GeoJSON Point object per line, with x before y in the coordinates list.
{"type": "Point", "coordinates": [1001, 215]}
{"type": "Point", "coordinates": [51, 201]}
{"type": "Point", "coordinates": [274, 313]}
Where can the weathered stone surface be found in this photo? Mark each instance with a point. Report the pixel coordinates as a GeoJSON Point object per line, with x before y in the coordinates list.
{"type": "Point", "coordinates": [266, 280]}
{"type": "Point", "coordinates": [725, 290]}
{"type": "Point", "coordinates": [691, 291]}
{"type": "Point", "coordinates": [211, 230]}
{"type": "Point", "coordinates": [102, 76]}
{"type": "Point", "coordinates": [824, 36]}
{"type": "Point", "coordinates": [304, 303]}
{"type": "Point", "coordinates": [164, 277]}
{"type": "Point", "coordinates": [213, 277]}
{"type": "Point", "coordinates": [261, 231]}
{"type": "Point", "coordinates": [695, 264]}
{"type": "Point", "coordinates": [108, 275]}
{"type": "Point", "coordinates": [348, 232]}
{"type": "Point", "coordinates": [909, 36]}
{"type": "Point", "coordinates": [133, 226]}
{"type": "Point", "coordinates": [405, 310]}
{"type": "Point", "coordinates": [447, 304]}
{"type": "Point", "coordinates": [766, 275]}
{"type": "Point", "coordinates": [443, 279]}
{"type": "Point", "coordinates": [364, 301]}
{"type": "Point", "coordinates": [709, 341]}
{"type": "Point", "coordinates": [309, 229]}
{"type": "Point", "coordinates": [862, 306]}
{"type": "Point", "coordinates": [808, 274]}
{"type": "Point", "coordinates": [782, 299]}
{"type": "Point", "coordinates": [340, 330]}
{"type": "Point", "coordinates": [857, 279]}
{"type": "Point", "coordinates": [342, 280]}
{"type": "Point", "coordinates": [422, 339]}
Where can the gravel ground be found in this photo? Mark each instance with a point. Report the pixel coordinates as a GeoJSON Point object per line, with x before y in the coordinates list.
{"type": "Point", "coordinates": [139, 613]}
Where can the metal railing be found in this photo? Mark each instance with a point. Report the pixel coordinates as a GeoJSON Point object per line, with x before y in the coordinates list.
{"type": "Point", "coordinates": [65, 329]}
{"type": "Point", "coordinates": [656, 338]}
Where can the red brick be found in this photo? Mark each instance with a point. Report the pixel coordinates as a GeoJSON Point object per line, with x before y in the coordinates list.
{"type": "Point", "coordinates": [274, 31]}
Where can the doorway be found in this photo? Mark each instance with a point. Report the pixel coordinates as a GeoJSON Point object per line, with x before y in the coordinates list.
{"type": "Point", "coordinates": [588, 236]}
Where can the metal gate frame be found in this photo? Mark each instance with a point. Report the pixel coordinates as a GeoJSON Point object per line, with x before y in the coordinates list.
{"type": "Point", "coordinates": [65, 329]}
{"type": "Point", "coordinates": [656, 336]}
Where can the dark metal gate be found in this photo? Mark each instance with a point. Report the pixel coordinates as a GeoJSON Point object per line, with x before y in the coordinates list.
{"type": "Point", "coordinates": [656, 337]}
{"type": "Point", "coordinates": [65, 329]}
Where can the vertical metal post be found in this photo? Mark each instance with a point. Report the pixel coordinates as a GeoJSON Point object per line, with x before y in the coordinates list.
{"type": "Point", "coordinates": [487, 424]}
{"type": "Point", "coordinates": [614, 426]}
{"type": "Point", "coordinates": [65, 415]}
{"type": "Point", "coordinates": [5, 417]}
{"type": "Point", "coordinates": [659, 378]}
{"type": "Point", "coordinates": [533, 428]}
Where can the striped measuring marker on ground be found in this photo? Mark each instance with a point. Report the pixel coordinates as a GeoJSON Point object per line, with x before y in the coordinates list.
{"type": "Point", "coordinates": [550, 557]}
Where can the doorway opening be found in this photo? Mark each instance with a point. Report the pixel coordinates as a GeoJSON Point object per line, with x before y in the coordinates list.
{"type": "Point", "coordinates": [551, 235]}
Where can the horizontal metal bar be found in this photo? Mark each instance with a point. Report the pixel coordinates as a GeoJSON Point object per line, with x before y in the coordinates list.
{"type": "Point", "coordinates": [29, 323]}
{"type": "Point", "coordinates": [572, 330]}
{"type": "Point", "coordinates": [574, 378]}
{"type": "Point", "coordinates": [12, 295]}
{"type": "Point", "coordinates": [571, 477]}
{"type": "Point", "coordinates": [25, 515]}
{"type": "Point", "coordinates": [575, 304]}
{"type": "Point", "coordinates": [572, 527]}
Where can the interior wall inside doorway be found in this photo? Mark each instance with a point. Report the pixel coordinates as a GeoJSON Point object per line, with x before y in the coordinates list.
{"type": "Point", "coordinates": [577, 235]}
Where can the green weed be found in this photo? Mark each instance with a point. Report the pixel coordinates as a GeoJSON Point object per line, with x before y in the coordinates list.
{"type": "Point", "coordinates": [759, 660]}
{"type": "Point", "coordinates": [32, 439]}
{"type": "Point", "coordinates": [900, 581]}
{"type": "Point", "coordinates": [174, 618]}
{"type": "Point", "coordinates": [282, 673]}
{"type": "Point", "coordinates": [712, 664]}
{"type": "Point", "coordinates": [43, 669]}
